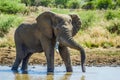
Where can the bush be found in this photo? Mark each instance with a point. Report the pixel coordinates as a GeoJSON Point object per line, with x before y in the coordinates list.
{"type": "Point", "coordinates": [104, 4]}
{"type": "Point", "coordinates": [46, 3]}
{"type": "Point", "coordinates": [114, 27]}
{"type": "Point", "coordinates": [117, 3]}
{"type": "Point", "coordinates": [73, 4]}
{"type": "Point", "coordinates": [61, 3]}
{"type": "Point", "coordinates": [89, 5]}
{"type": "Point", "coordinates": [7, 21]}
{"type": "Point", "coordinates": [111, 14]}
{"type": "Point", "coordinates": [11, 7]}
{"type": "Point", "coordinates": [28, 2]}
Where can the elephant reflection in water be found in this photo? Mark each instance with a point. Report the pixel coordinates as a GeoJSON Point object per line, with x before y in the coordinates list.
{"type": "Point", "coordinates": [66, 76]}
{"type": "Point", "coordinates": [19, 76]}
{"type": "Point", "coordinates": [42, 37]}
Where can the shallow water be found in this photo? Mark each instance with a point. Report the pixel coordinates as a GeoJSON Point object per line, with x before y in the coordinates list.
{"type": "Point", "coordinates": [38, 72]}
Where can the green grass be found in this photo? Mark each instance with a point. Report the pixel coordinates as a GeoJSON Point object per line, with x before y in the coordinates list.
{"type": "Point", "coordinates": [8, 21]}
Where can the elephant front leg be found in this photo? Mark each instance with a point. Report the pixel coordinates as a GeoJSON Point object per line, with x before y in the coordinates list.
{"type": "Point", "coordinates": [65, 55]}
{"type": "Point", "coordinates": [50, 59]}
{"type": "Point", "coordinates": [48, 47]}
{"type": "Point", "coordinates": [16, 64]}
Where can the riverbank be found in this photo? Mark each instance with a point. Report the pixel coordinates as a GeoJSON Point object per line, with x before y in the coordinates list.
{"type": "Point", "coordinates": [94, 57]}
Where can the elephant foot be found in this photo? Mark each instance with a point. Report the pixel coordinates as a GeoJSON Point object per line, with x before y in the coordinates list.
{"type": "Point", "coordinates": [14, 70]}
{"type": "Point", "coordinates": [24, 71]}
{"type": "Point", "coordinates": [69, 69]}
{"type": "Point", "coordinates": [50, 70]}
{"type": "Point", "coordinates": [83, 69]}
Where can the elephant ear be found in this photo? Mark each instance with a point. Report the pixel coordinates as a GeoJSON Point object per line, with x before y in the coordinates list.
{"type": "Point", "coordinates": [76, 22]}
{"type": "Point", "coordinates": [45, 23]}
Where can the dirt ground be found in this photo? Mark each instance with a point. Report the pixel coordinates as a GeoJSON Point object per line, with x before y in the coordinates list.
{"type": "Point", "coordinates": [94, 57]}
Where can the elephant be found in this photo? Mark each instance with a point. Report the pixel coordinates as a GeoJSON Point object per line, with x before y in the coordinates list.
{"type": "Point", "coordinates": [50, 28]}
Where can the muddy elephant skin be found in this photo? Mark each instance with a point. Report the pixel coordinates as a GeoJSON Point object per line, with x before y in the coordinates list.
{"type": "Point", "coordinates": [42, 36]}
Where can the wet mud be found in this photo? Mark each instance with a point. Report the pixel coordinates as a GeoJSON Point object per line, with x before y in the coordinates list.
{"type": "Point", "coordinates": [94, 57]}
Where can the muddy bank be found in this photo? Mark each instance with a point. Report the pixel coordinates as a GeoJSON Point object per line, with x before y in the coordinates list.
{"type": "Point", "coordinates": [95, 57]}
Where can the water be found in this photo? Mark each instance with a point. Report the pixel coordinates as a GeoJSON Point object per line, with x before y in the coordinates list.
{"type": "Point", "coordinates": [39, 73]}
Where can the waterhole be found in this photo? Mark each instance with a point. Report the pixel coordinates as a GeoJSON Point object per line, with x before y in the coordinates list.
{"type": "Point", "coordinates": [38, 72]}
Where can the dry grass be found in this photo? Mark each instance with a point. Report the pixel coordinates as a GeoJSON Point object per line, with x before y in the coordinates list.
{"type": "Point", "coordinates": [98, 36]}
{"type": "Point", "coordinates": [95, 36]}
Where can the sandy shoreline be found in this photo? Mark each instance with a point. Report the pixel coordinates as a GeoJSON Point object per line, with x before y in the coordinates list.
{"type": "Point", "coordinates": [94, 57]}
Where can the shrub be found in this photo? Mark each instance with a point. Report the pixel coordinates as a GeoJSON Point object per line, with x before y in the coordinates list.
{"type": "Point", "coordinates": [46, 3]}
{"type": "Point", "coordinates": [89, 5]}
{"type": "Point", "coordinates": [111, 14]}
{"type": "Point", "coordinates": [117, 3]}
{"type": "Point", "coordinates": [7, 21]}
{"type": "Point", "coordinates": [28, 2]}
{"type": "Point", "coordinates": [73, 4]}
{"type": "Point", "coordinates": [104, 4]}
{"type": "Point", "coordinates": [12, 7]}
{"type": "Point", "coordinates": [61, 3]}
{"type": "Point", "coordinates": [114, 27]}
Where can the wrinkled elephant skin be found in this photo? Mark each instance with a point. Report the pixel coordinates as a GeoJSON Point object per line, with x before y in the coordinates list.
{"type": "Point", "coordinates": [42, 37]}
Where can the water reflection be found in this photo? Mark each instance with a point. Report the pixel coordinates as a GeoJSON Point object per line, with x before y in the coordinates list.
{"type": "Point", "coordinates": [61, 76]}
{"type": "Point", "coordinates": [40, 73]}
{"type": "Point", "coordinates": [66, 76]}
{"type": "Point", "coordinates": [50, 77]}
{"type": "Point", "coordinates": [19, 76]}
{"type": "Point", "coordinates": [83, 77]}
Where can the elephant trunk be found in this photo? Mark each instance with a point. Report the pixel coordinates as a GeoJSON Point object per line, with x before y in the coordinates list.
{"type": "Point", "coordinates": [67, 40]}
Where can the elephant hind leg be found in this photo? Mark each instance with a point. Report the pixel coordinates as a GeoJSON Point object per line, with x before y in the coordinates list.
{"type": "Point", "coordinates": [65, 55]}
{"type": "Point", "coordinates": [25, 61]}
{"type": "Point", "coordinates": [19, 57]}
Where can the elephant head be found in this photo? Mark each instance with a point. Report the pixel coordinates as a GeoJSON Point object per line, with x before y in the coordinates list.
{"type": "Point", "coordinates": [63, 28]}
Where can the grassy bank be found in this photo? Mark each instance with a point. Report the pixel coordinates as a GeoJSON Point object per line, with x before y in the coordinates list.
{"type": "Point", "coordinates": [100, 28]}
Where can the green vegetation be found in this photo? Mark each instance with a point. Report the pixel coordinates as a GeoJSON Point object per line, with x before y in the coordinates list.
{"type": "Point", "coordinates": [104, 4]}
{"type": "Point", "coordinates": [11, 6]}
{"type": "Point", "coordinates": [114, 27]}
{"type": "Point", "coordinates": [75, 4]}
{"type": "Point", "coordinates": [8, 21]}
{"type": "Point", "coordinates": [112, 14]}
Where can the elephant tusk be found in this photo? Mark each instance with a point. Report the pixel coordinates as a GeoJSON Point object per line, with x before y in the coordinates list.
{"type": "Point", "coordinates": [56, 47]}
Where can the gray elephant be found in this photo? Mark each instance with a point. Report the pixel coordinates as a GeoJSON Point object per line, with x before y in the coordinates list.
{"type": "Point", "coordinates": [42, 37]}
